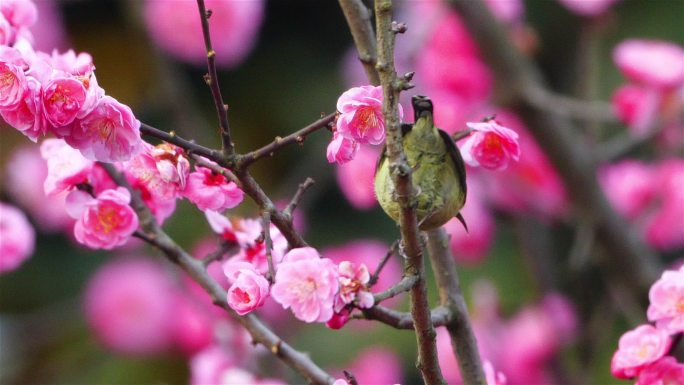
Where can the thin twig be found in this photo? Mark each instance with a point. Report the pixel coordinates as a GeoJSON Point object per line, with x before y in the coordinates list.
{"type": "Point", "coordinates": [296, 137]}
{"type": "Point", "coordinates": [359, 20]}
{"type": "Point", "coordinates": [199, 161]}
{"type": "Point", "coordinates": [427, 361]}
{"type": "Point", "coordinates": [154, 235]}
{"type": "Point", "coordinates": [268, 243]}
{"type": "Point", "coordinates": [621, 145]}
{"type": "Point", "coordinates": [212, 81]}
{"type": "Point", "coordinates": [223, 249]}
{"type": "Point", "coordinates": [290, 208]}
{"type": "Point", "coordinates": [188, 145]}
{"type": "Point", "coordinates": [376, 275]}
{"type": "Point", "coordinates": [404, 285]}
{"type": "Point", "coordinates": [460, 330]}
{"type": "Point", "coordinates": [350, 378]}
{"type": "Point", "coordinates": [458, 135]}
{"type": "Point", "coordinates": [439, 316]}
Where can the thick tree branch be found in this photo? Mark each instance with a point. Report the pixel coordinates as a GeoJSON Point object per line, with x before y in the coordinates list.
{"type": "Point", "coordinates": [519, 83]}
{"type": "Point", "coordinates": [460, 330]}
{"type": "Point", "coordinates": [278, 143]}
{"type": "Point", "coordinates": [154, 235]}
{"type": "Point", "coordinates": [212, 81]}
{"type": "Point", "coordinates": [359, 20]}
{"type": "Point", "coordinates": [427, 363]}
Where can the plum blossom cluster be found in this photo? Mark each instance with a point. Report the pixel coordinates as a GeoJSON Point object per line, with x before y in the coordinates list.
{"type": "Point", "coordinates": [652, 98]}
{"type": "Point", "coordinates": [643, 351]}
{"type": "Point", "coordinates": [58, 93]}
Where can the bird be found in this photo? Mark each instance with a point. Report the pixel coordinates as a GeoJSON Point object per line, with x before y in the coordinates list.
{"type": "Point", "coordinates": [438, 176]}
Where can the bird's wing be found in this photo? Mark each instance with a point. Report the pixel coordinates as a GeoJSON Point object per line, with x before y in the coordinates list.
{"type": "Point", "coordinates": [455, 155]}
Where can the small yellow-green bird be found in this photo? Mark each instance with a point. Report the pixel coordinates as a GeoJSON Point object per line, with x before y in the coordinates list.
{"type": "Point", "coordinates": [438, 171]}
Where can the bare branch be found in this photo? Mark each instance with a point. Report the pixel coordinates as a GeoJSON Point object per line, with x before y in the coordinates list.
{"type": "Point", "coordinates": [376, 275]}
{"type": "Point", "coordinates": [460, 330]}
{"type": "Point", "coordinates": [439, 316]}
{"type": "Point", "coordinates": [154, 235]}
{"type": "Point", "coordinates": [223, 249]}
{"type": "Point", "coordinates": [405, 284]}
{"type": "Point", "coordinates": [212, 81]}
{"type": "Point", "coordinates": [296, 137]}
{"type": "Point", "coordinates": [289, 210]}
{"type": "Point", "coordinates": [190, 146]}
{"type": "Point", "coordinates": [359, 21]}
{"type": "Point", "coordinates": [268, 243]}
{"type": "Point", "coordinates": [427, 363]}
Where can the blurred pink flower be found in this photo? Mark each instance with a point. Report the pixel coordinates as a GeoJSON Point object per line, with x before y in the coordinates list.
{"type": "Point", "coordinates": [211, 191]}
{"type": "Point", "coordinates": [25, 173]}
{"type": "Point", "coordinates": [340, 381]}
{"type": "Point", "coordinates": [653, 63]}
{"type": "Point", "coordinates": [490, 145]}
{"type": "Point", "coordinates": [191, 325]}
{"type": "Point", "coordinates": [361, 115]}
{"type": "Point", "coordinates": [355, 178]}
{"type": "Point", "coordinates": [472, 246]}
{"type": "Point", "coordinates": [507, 11]}
{"type": "Point", "coordinates": [637, 107]}
{"type": "Point", "coordinates": [377, 365]}
{"type": "Point", "coordinates": [638, 348]}
{"type": "Point", "coordinates": [630, 186]}
{"type": "Point", "coordinates": [128, 304]}
{"type": "Point", "coordinates": [20, 13]}
{"type": "Point", "coordinates": [662, 372]}
{"type": "Point", "coordinates": [17, 238]}
{"type": "Point", "coordinates": [66, 166]}
{"type": "Point", "coordinates": [50, 32]}
{"type": "Point", "coordinates": [493, 377]}
{"type": "Point", "coordinates": [109, 133]}
{"type": "Point", "coordinates": [248, 289]}
{"type": "Point", "coordinates": [307, 284]}
{"type": "Point", "coordinates": [341, 150]}
{"type": "Point", "coordinates": [209, 365]}
{"type": "Point", "coordinates": [588, 8]}
{"type": "Point", "coordinates": [663, 229]}
{"type": "Point", "coordinates": [667, 301]}
{"type": "Point", "coordinates": [177, 29]}
{"type": "Point", "coordinates": [80, 64]}
{"type": "Point", "coordinates": [104, 222]}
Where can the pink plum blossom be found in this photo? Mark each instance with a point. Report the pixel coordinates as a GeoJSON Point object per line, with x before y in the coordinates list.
{"type": "Point", "coordinates": [307, 284]}
{"type": "Point", "coordinates": [630, 186]}
{"type": "Point", "coordinates": [7, 32]}
{"type": "Point", "coordinates": [588, 8]}
{"type": "Point", "coordinates": [667, 301]}
{"type": "Point", "coordinates": [27, 117]}
{"type": "Point", "coordinates": [507, 11]}
{"type": "Point", "coordinates": [353, 280]}
{"type": "Point", "coordinates": [491, 146]}
{"type": "Point", "coordinates": [66, 166]}
{"type": "Point", "coordinates": [177, 30]}
{"type": "Point", "coordinates": [665, 371]}
{"type": "Point", "coordinates": [172, 164]}
{"type": "Point", "coordinates": [637, 107]}
{"type": "Point", "coordinates": [109, 133]}
{"type": "Point", "coordinates": [340, 381]}
{"type": "Point", "coordinates": [207, 366]}
{"type": "Point", "coordinates": [64, 97]}
{"type": "Point", "coordinates": [361, 115]}
{"type": "Point", "coordinates": [25, 173]}
{"type": "Point", "coordinates": [341, 149]}
{"type": "Point", "coordinates": [355, 178]}
{"type": "Point", "coordinates": [638, 348]}
{"type": "Point", "coordinates": [12, 85]}
{"type": "Point", "coordinates": [211, 191]}
{"type": "Point", "coordinates": [75, 64]}
{"type": "Point", "coordinates": [104, 222]}
{"type": "Point", "coordinates": [654, 63]}
{"type": "Point", "coordinates": [248, 289]}
{"type": "Point", "coordinates": [17, 238]}
{"type": "Point", "coordinates": [20, 13]}
{"type": "Point", "coordinates": [128, 306]}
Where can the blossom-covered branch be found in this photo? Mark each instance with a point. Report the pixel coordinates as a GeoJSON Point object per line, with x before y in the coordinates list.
{"type": "Point", "coordinates": [154, 235]}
